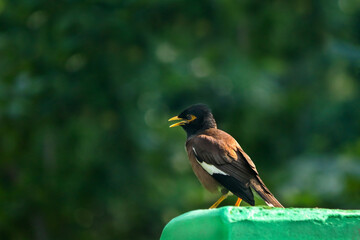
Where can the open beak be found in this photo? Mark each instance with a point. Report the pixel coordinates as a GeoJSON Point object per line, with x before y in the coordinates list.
{"type": "Point", "coordinates": [183, 122]}
{"type": "Point", "coordinates": [178, 123]}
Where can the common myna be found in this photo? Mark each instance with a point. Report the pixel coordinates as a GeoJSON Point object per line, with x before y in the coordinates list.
{"type": "Point", "coordinates": [217, 159]}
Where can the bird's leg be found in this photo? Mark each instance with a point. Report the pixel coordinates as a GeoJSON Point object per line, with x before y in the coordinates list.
{"type": "Point", "coordinates": [238, 201]}
{"type": "Point", "coordinates": [222, 198]}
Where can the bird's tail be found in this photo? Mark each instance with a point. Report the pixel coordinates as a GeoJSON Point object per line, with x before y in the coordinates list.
{"type": "Point", "coordinates": [258, 185]}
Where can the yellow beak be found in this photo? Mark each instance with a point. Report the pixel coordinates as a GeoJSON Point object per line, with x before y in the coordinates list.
{"type": "Point", "coordinates": [183, 122]}
{"type": "Point", "coordinates": [178, 123]}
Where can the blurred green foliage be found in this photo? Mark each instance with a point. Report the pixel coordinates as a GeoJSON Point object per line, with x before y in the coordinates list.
{"type": "Point", "coordinates": [86, 88]}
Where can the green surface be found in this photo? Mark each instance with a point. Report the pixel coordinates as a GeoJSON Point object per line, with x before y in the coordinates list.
{"type": "Point", "coordinates": [264, 223]}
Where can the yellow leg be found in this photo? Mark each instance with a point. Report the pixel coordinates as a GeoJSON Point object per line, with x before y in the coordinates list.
{"type": "Point", "coordinates": [238, 202]}
{"type": "Point", "coordinates": [219, 201]}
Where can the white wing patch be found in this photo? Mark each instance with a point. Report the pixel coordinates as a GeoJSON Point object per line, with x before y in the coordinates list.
{"type": "Point", "coordinates": [211, 169]}
{"type": "Point", "coordinates": [194, 152]}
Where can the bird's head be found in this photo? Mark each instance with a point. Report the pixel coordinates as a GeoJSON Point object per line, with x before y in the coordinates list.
{"type": "Point", "coordinates": [195, 118]}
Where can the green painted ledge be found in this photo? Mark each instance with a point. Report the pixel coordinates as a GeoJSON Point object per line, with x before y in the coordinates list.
{"type": "Point", "coordinates": [264, 223]}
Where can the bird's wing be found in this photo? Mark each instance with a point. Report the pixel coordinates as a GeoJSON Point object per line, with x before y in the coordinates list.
{"type": "Point", "coordinates": [222, 157]}
{"type": "Point", "coordinates": [223, 152]}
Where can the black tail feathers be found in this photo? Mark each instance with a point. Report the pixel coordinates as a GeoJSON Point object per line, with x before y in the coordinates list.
{"type": "Point", "coordinates": [258, 185]}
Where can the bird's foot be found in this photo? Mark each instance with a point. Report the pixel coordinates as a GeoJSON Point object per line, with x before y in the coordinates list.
{"type": "Point", "coordinates": [238, 201]}
{"type": "Point", "coordinates": [222, 198]}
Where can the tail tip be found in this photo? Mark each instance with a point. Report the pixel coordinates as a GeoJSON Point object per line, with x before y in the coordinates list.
{"type": "Point", "coordinates": [272, 205]}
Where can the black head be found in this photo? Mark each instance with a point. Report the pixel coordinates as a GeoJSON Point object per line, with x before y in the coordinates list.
{"type": "Point", "coordinates": [195, 118]}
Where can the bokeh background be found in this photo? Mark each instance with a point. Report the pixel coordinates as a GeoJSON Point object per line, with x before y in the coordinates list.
{"type": "Point", "coordinates": [86, 88]}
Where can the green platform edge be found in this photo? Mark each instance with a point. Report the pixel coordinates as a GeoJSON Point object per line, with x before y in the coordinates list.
{"type": "Point", "coordinates": [247, 223]}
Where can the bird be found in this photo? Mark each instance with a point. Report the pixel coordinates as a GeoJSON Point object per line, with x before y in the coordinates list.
{"type": "Point", "coordinates": [218, 160]}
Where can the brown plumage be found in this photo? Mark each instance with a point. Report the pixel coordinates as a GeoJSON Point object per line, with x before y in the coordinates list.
{"type": "Point", "coordinates": [217, 159]}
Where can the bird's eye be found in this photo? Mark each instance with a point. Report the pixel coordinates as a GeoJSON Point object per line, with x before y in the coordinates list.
{"type": "Point", "coordinates": [188, 117]}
